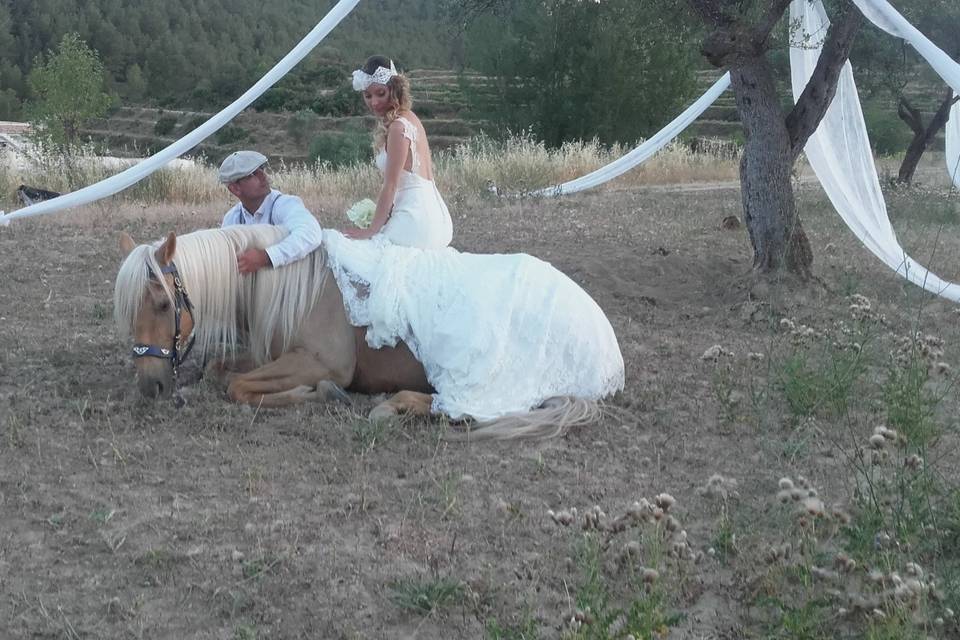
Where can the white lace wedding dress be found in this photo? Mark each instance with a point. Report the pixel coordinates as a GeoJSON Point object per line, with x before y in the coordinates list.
{"type": "Point", "coordinates": [496, 334]}
{"type": "Point", "coordinates": [419, 217]}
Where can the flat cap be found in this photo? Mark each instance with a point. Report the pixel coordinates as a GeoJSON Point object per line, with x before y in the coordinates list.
{"type": "Point", "coordinates": [240, 164]}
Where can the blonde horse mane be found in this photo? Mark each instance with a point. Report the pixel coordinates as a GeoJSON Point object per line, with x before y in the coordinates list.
{"type": "Point", "coordinates": [267, 308]}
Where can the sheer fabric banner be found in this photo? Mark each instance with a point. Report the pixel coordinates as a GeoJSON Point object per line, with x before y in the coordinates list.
{"type": "Point", "coordinates": [840, 154]}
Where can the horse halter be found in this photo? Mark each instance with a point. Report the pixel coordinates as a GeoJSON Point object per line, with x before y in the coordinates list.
{"type": "Point", "coordinates": [181, 301]}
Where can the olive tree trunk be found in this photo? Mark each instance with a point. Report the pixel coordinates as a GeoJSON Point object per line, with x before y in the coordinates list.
{"type": "Point", "coordinates": [923, 135]}
{"type": "Point", "coordinates": [773, 139]}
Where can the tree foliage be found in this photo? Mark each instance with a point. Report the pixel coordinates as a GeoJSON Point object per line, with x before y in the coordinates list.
{"type": "Point", "coordinates": [204, 54]}
{"type": "Point", "coordinates": [67, 86]}
{"type": "Point", "coordinates": [568, 69]}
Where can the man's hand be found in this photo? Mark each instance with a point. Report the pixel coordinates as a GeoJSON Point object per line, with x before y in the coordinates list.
{"type": "Point", "coordinates": [252, 260]}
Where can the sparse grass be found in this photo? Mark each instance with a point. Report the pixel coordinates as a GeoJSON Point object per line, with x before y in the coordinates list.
{"type": "Point", "coordinates": [526, 628]}
{"type": "Point", "coordinates": [426, 597]}
{"type": "Point", "coordinates": [367, 434]}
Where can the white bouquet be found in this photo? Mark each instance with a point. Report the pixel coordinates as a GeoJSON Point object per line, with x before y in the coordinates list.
{"type": "Point", "coordinates": [361, 214]}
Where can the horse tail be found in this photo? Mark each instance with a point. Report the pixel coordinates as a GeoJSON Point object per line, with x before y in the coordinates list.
{"type": "Point", "coordinates": [550, 420]}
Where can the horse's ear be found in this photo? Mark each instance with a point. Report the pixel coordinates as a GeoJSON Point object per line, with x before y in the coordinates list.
{"type": "Point", "coordinates": [126, 243]}
{"type": "Point", "coordinates": [167, 249]}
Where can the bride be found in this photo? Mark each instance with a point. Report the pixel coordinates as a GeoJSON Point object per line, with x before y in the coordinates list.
{"type": "Point", "coordinates": [496, 334]}
{"type": "Point", "coordinates": [410, 210]}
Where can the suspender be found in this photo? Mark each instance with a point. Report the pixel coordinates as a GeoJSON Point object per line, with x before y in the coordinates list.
{"type": "Point", "coordinates": [243, 218]}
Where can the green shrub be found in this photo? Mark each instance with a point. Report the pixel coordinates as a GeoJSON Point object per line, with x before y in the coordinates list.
{"type": "Point", "coordinates": [165, 125]}
{"type": "Point", "coordinates": [342, 102]}
{"type": "Point", "coordinates": [888, 134]}
{"type": "Point", "coordinates": [231, 134]}
{"type": "Point", "coordinates": [192, 124]}
{"type": "Point", "coordinates": [338, 149]}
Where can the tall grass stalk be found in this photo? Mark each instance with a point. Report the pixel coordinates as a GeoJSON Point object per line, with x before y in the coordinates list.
{"type": "Point", "coordinates": [516, 165]}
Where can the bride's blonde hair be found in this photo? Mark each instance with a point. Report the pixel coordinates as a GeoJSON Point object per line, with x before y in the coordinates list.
{"type": "Point", "coordinates": [400, 99]}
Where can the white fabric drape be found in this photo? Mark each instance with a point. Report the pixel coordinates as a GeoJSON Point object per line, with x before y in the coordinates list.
{"type": "Point", "coordinates": [645, 150]}
{"type": "Point", "coordinates": [839, 153]}
{"type": "Point", "coordinates": [953, 145]}
{"type": "Point", "coordinates": [884, 16]}
{"type": "Point", "coordinates": [119, 182]}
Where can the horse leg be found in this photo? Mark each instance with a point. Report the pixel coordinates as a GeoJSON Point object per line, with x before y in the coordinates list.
{"type": "Point", "coordinates": [412, 402]}
{"type": "Point", "coordinates": [292, 378]}
{"type": "Point", "coordinates": [324, 391]}
{"type": "Point", "coordinates": [225, 367]}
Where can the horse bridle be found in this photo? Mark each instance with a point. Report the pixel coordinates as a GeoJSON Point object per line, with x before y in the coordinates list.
{"type": "Point", "coordinates": [181, 301]}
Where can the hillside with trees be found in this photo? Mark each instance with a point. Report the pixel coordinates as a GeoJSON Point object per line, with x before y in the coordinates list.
{"type": "Point", "coordinates": [201, 54]}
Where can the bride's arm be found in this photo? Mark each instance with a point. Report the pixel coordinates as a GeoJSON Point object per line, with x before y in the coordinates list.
{"type": "Point", "coordinates": [397, 149]}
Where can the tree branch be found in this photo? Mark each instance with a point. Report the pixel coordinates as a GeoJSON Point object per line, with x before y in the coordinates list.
{"type": "Point", "coordinates": [770, 19]}
{"type": "Point", "coordinates": [820, 90]}
{"type": "Point", "coordinates": [942, 115]}
{"type": "Point", "coordinates": [909, 114]}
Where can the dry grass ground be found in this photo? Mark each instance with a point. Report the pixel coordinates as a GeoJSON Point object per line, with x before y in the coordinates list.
{"type": "Point", "coordinates": [126, 519]}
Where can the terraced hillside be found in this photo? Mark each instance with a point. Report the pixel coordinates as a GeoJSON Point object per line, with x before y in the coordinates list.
{"type": "Point", "coordinates": [439, 100]}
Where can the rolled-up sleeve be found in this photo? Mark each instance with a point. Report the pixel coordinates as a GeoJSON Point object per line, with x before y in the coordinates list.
{"type": "Point", "coordinates": [304, 233]}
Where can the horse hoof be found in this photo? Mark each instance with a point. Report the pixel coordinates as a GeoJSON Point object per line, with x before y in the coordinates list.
{"type": "Point", "coordinates": [332, 391]}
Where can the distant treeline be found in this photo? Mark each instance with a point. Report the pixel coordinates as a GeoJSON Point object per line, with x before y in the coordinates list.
{"type": "Point", "coordinates": [201, 53]}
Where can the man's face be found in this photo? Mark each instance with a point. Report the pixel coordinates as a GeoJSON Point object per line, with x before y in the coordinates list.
{"type": "Point", "coordinates": [254, 186]}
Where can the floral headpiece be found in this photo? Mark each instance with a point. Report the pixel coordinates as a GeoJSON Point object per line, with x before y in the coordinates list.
{"type": "Point", "coordinates": [362, 80]}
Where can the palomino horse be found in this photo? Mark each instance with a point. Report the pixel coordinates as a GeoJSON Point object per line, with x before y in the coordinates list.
{"type": "Point", "coordinates": [293, 322]}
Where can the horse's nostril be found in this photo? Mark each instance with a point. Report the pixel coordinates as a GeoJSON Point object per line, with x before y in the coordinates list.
{"type": "Point", "coordinates": [159, 389]}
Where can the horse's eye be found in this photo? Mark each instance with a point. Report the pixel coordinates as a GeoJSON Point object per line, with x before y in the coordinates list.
{"type": "Point", "coordinates": [163, 306]}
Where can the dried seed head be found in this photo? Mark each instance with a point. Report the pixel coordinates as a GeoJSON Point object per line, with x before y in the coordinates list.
{"type": "Point", "coordinates": [650, 575]}
{"type": "Point", "coordinates": [814, 507]}
{"type": "Point", "coordinates": [664, 501]}
{"type": "Point", "coordinates": [877, 441]}
{"type": "Point", "coordinates": [786, 484]}
{"type": "Point", "coordinates": [840, 515]}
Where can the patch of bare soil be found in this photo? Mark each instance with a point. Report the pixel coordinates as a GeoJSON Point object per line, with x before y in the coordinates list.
{"type": "Point", "coordinates": [122, 518]}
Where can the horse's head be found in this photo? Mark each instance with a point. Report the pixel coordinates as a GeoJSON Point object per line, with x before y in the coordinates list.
{"type": "Point", "coordinates": [151, 305]}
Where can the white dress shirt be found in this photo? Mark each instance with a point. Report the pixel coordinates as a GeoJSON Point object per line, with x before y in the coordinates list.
{"type": "Point", "coordinates": [303, 231]}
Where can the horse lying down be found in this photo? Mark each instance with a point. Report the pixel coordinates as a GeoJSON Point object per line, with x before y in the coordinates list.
{"type": "Point", "coordinates": [506, 340]}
